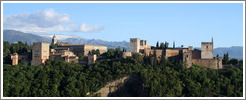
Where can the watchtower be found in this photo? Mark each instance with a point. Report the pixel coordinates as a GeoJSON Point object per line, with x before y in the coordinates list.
{"type": "Point", "coordinates": [14, 59]}
{"type": "Point", "coordinates": [207, 50]}
{"type": "Point", "coordinates": [40, 53]}
{"type": "Point", "coordinates": [134, 45]}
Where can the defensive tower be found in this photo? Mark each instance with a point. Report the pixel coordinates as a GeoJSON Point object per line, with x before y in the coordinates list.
{"type": "Point", "coordinates": [207, 50]}
{"type": "Point", "coordinates": [40, 53]}
{"type": "Point", "coordinates": [135, 45]}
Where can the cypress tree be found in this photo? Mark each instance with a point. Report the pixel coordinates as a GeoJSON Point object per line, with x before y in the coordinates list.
{"type": "Point", "coordinates": [157, 45]}
{"type": "Point", "coordinates": [155, 58]}
{"type": "Point", "coordinates": [163, 57]}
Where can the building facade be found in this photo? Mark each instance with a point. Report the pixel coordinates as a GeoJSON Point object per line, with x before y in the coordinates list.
{"type": "Point", "coordinates": [83, 49]}
{"type": "Point", "coordinates": [40, 53]}
{"type": "Point", "coordinates": [64, 55]}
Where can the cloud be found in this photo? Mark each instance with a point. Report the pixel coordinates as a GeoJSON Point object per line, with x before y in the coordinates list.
{"type": "Point", "coordinates": [48, 18]}
{"type": "Point", "coordinates": [87, 28]}
{"type": "Point", "coordinates": [46, 21]}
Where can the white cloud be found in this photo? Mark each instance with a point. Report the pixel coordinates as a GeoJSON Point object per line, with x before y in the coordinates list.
{"type": "Point", "coordinates": [87, 28]}
{"type": "Point", "coordinates": [45, 21]}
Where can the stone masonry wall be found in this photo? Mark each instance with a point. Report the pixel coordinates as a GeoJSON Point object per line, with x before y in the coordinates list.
{"type": "Point", "coordinates": [88, 48]}
{"type": "Point", "coordinates": [187, 58]}
{"type": "Point", "coordinates": [158, 52]}
{"type": "Point", "coordinates": [196, 54]}
{"type": "Point", "coordinates": [170, 53]}
{"type": "Point", "coordinates": [211, 63]}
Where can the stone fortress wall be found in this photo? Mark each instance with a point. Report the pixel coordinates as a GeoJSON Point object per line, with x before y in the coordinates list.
{"type": "Point", "coordinates": [203, 57]}
{"type": "Point", "coordinates": [68, 52]}
{"type": "Point", "coordinates": [215, 63]}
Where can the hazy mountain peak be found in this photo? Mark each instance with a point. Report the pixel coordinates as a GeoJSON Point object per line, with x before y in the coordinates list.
{"type": "Point", "coordinates": [60, 37]}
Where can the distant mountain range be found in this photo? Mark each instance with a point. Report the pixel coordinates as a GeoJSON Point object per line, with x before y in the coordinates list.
{"type": "Point", "coordinates": [234, 51]}
{"type": "Point", "coordinates": [13, 36]}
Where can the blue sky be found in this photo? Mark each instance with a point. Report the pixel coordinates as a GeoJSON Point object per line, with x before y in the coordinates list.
{"type": "Point", "coordinates": [184, 23]}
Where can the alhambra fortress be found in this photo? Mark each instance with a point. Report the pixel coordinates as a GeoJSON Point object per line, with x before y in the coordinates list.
{"type": "Point", "coordinates": [69, 53]}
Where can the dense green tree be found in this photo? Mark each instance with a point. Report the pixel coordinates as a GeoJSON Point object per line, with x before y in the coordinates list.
{"type": "Point", "coordinates": [225, 59]}
{"type": "Point", "coordinates": [157, 45]}
{"type": "Point", "coordinates": [110, 53]}
{"type": "Point", "coordinates": [97, 52]}
{"type": "Point", "coordinates": [240, 63]}
{"type": "Point", "coordinates": [53, 46]}
{"type": "Point", "coordinates": [117, 52]}
{"type": "Point", "coordinates": [19, 47]}
{"type": "Point", "coordinates": [163, 59]}
{"type": "Point", "coordinates": [155, 58]}
{"type": "Point", "coordinates": [162, 46]}
{"type": "Point", "coordinates": [80, 56]}
{"type": "Point", "coordinates": [61, 79]}
{"type": "Point", "coordinates": [233, 61]}
{"type": "Point", "coordinates": [166, 45]}
{"type": "Point", "coordinates": [137, 57]}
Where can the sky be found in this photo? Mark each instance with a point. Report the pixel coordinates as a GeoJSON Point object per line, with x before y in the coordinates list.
{"type": "Point", "coordinates": [187, 24]}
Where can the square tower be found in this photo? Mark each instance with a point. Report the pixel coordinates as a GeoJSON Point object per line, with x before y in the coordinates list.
{"type": "Point", "coordinates": [207, 50]}
{"type": "Point", "coordinates": [40, 53]}
{"type": "Point", "coordinates": [14, 59]}
{"type": "Point", "coordinates": [143, 44]}
{"type": "Point", "coordinates": [134, 45]}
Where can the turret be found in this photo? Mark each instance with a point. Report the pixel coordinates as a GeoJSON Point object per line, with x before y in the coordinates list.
{"type": "Point", "coordinates": [54, 40]}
